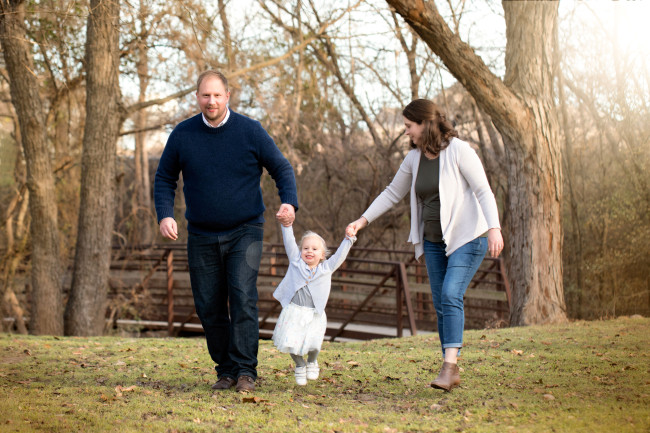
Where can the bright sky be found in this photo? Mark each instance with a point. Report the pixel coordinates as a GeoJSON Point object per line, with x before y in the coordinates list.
{"type": "Point", "coordinates": [624, 23]}
{"type": "Point", "coordinates": [626, 20]}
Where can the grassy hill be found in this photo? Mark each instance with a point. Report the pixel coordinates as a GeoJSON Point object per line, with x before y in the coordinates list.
{"type": "Point", "coordinates": [576, 377]}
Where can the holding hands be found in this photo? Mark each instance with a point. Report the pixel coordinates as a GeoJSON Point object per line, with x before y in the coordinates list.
{"type": "Point", "coordinates": [286, 214]}
{"type": "Point", "coordinates": [355, 226]}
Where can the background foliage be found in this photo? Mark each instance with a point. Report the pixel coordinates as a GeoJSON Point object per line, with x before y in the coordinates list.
{"type": "Point", "coordinates": [328, 81]}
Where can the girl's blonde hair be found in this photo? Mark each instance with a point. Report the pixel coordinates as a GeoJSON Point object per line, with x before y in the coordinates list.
{"type": "Point", "coordinates": [309, 234]}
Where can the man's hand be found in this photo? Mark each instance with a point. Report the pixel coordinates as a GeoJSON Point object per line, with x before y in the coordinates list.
{"type": "Point", "coordinates": [286, 214]}
{"type": "Point", "coordinates": [168, 228]}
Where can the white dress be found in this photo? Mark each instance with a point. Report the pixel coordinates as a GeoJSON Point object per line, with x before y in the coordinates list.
{"type": "Point", "coordinates": [300, 328]}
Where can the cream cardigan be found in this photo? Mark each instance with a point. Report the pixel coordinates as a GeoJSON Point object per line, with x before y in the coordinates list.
{"type": "Point", "coordinates": [467, 205]}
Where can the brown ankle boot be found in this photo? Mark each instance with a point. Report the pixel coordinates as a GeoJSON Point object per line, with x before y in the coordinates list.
{"type": "Point", "coordinates": [448, 378]}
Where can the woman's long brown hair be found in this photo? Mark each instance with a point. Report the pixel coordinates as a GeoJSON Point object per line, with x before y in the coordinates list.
{"type": "Point", "coordinates": [437, 132]}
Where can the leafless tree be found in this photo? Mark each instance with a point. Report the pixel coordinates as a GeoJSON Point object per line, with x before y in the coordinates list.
{"type": "Point", "coordinates": [47, 305]}
{"type": "Point", "coordinates": [86, 307]}
{"type": "Point", "coordinates": [522, 109]}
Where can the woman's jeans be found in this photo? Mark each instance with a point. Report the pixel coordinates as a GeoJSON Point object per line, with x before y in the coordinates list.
{"type": "Point", "coordinates": [449, 278]}
{"type": "Point", "coordinates": [223, 273]}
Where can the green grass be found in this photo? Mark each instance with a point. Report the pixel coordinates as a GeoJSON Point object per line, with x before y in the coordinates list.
{"type": "Point", "coordinates": [577, 377]}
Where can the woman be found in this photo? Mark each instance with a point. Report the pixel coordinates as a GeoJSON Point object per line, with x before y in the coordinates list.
{"type": "Point", "coordinates": [452, 207]}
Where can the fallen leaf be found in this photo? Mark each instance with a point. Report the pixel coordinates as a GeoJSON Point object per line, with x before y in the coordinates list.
{"type": "Point", "coordinates": [517, 352]}
{"type": "Point", "coordinates": [254, 400]}
{"type": "Point", "coordinates": [549, 396]}
{"type": "Point", "coordinates": [435, 406]}
{"type": "Point", "coordinates": [27, 352]}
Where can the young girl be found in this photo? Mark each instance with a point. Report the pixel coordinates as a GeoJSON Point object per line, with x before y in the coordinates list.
{"type": "Point", "coordinates": [303, 293]}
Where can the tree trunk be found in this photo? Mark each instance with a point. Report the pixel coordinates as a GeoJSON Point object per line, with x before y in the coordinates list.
{"type": "Point", "coordinates": [522, 109]}
{"type": "Point", "coordinates": [87, 305]}
{"type": "Point", "coordinates": [141, 201]}
{"type": "Point", "coordinates": [47, 304]}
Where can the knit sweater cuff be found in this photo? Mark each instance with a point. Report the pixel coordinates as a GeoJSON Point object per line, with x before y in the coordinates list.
{"type": "Point", "coordinates": [164, 213]}
{"type": "Point", "coordinates": [290, 199]}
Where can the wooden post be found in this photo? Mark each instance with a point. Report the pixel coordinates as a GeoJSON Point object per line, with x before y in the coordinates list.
{"type": "Point", "coordinates": [506, 284]}
{"type": "Point", "coordinates": [403, 277]}
{"type": "Point", "coordinates": [170, 293]}
{"type": "Point", "coordinates": [398, 300]}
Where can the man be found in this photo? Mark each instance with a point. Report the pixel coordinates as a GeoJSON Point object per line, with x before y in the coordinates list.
{"type": "Point", "coordinates": [221, 155]}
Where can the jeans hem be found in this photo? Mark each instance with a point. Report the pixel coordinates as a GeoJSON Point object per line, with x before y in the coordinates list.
{"type": "Point", "coordinates": [452, 346]}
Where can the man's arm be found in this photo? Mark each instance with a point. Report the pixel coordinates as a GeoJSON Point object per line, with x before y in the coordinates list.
{"type": "Point", "coordinates": [280, 170]}
{"type": "Point", "coordinates": [165, 183]}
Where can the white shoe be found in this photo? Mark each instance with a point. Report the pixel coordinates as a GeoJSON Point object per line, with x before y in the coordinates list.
{"type": "Point", "coordinates": [312, 370]}
{"type": "Point", "coordinates": [301, 376]}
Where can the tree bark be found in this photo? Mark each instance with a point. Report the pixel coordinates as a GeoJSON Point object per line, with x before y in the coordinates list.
{"type": "Point", "coordinates": [141, 200]}
{"type": "Point", "coordinates": [47, 295]}
{"type": "Point", "coordinates": [523, 111]}
{"type": "Point", "coordinates": [87, 305]}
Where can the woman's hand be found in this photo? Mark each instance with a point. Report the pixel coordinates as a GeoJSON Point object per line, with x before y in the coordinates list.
{"type": "Point", "coordinates": [495, 242]}
{"type": "Point", "coordinates": [354, 227]}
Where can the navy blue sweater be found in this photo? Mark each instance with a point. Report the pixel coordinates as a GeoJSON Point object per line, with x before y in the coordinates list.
{"type": "Point", "coordinates": [221, 170]}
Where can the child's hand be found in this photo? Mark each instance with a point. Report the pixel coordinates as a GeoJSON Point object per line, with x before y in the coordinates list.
{"type": "Point", "coordinates": [355, 226]}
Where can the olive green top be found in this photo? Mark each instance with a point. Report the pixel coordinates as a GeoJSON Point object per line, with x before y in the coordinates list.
{"type": "Point", "coordinates": [427, 189]}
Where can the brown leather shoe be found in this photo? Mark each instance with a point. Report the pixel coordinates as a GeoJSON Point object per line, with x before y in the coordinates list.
{"type": "Point", "coordinates": [449, 377]}
{"type": "Point", "coordinates": [245, 384]}
{"type": "Point", "coordinates": [224, 383]}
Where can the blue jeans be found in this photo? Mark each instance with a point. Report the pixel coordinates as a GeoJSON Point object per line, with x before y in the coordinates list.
{"type": "Point", "coordinates": [449, 278]}
{"type": "Point", "coordinates": [223, 274]}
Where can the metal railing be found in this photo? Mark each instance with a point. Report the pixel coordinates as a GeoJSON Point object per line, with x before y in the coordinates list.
{"type": "Point", "coordinates": [375, 289]}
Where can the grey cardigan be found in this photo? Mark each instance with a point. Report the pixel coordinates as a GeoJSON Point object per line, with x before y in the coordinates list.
{"type": "Point", "coordinates": [467, 205]}
{"type": "Point", "coordinates": [299, 275]}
